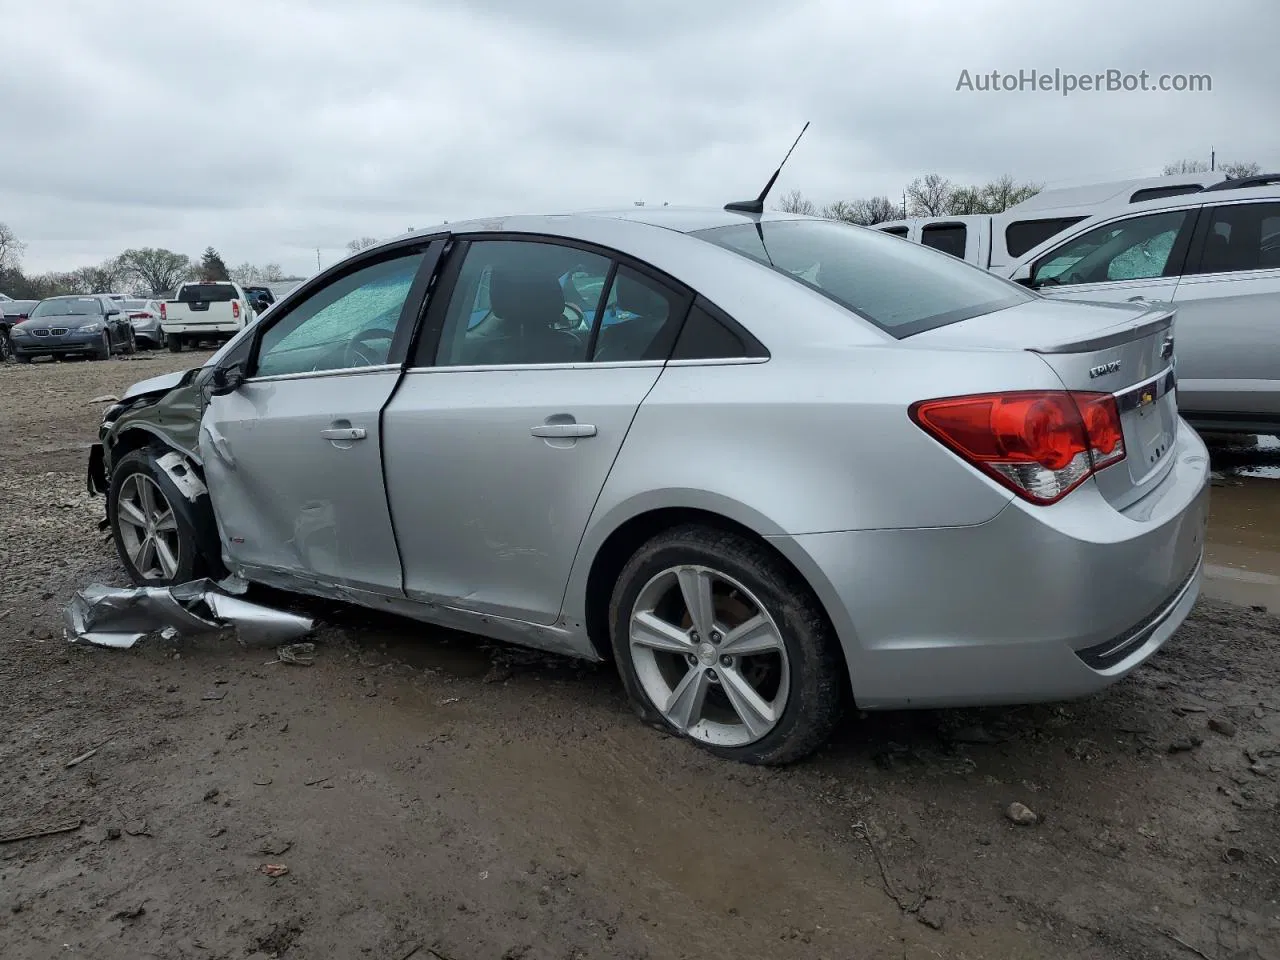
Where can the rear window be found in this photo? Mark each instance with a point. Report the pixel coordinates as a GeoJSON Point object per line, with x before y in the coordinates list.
{"type": "Point", "coordinates": [1021, 235]}
{"type": "Point", "coordinates": [207, 293]}
{"type": "Point", "coordinates": [902, 288]}
{"type": "Point", "coordinates": [135, 304]}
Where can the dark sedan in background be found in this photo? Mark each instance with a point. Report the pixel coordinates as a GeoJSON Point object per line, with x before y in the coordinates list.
{"type": "Point", "coordinates": [12, 312]}
{"type": "Point", "coordinates": [91, 326]}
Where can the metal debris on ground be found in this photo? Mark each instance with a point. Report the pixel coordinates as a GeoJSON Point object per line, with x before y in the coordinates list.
{"type": "Point", "coordinates": [298, 654]}
{"type": "Point", "coordinates": [120, 617]}
{"type": "Point", "coordinates": [31, 833]}
{"type": "Point", "coordinates": [273, 869]}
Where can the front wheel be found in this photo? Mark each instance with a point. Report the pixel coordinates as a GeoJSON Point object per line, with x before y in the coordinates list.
{"type": "Point", "coordinates": [104, 349]}
{"type": "Point", "coordinates": [718, 640]}
{"type": "Point", "coordinates": [131, 343]}
{"type": "Point", "coordinates": [153, 525]}
{"type": "Point", "coordinates": [175, 343]}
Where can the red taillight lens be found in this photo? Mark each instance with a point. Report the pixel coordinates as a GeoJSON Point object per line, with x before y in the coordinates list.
{"type": "Point", "coordinates": [138, 316]}
{"type": "Point", "coordinates": [235, 309]}
{"type": "Point", "coordinates": [1040, 444]}
{"type": "Point", "coordinates": [163, 314]}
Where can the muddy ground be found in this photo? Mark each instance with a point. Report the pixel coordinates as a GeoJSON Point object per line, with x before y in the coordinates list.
{"type": "Point", "coordinates": [437, 796]}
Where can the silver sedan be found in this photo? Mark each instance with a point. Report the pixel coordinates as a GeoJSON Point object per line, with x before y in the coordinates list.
{"type": "Point", "coordinates": [768, 464]}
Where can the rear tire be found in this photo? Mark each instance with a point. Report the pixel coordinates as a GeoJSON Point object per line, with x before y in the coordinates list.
{"type": "Point", "coordinates": [6, 348]}
{"type": "Point", "coordinates": [790, 665]}
{"type": "Point", "coordinates": [175, 342]}
{"type": "Point", "coordinates": [155, 508]}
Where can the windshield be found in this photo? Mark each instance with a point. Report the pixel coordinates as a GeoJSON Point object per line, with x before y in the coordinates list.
{"type": "Point", "coordinates": [902, 288]}
{"type": "Point", "coordinates": [207, 293]}
{"type": "Point", "coordinates": [71, 307]}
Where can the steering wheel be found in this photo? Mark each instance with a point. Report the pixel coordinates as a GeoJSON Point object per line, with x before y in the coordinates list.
{"type": "Point", "coordinates": [355, 356]}
{"type": "Point", "coordinates": [575, 316]}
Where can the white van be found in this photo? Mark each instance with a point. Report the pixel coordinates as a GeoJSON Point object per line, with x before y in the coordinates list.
{"type": "Point", "coordinates": [996, 241]}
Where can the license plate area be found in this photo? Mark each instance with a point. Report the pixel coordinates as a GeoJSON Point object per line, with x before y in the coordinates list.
{"type": "Point", "coordinates": [1149, 416]}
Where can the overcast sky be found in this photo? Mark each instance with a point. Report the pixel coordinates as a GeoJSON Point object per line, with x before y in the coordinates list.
{"type": "Point", "coordinates": [269, 128]}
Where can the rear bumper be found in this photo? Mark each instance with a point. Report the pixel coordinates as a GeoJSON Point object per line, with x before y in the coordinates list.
{"type": "Point", "coordinates": [201, 329]}
{"type": "Point", "coordinates": [1039, 603]}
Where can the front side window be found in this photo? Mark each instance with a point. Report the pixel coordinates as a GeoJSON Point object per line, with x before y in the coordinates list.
{"type": "Point", "coordinates": [1135, 249]}
{"type": "Point", "coordinates": [522, 301]}
{"type": "Point", "coordinates": [902, 288]}
{"type": "Point", "coordinates": [1241, 236]}
{"type": "Point", "coordinates": [348, 323]}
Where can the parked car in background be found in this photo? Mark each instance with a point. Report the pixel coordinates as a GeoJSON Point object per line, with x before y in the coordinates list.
{"type": "Point", "coordinates": [204, 310]}
{"type": "Point", "coordinates": [89, 326]}
{"type": "Point", "coordinates": [1215, 255]}
{"type": "Point", "coordinates": [995, 241]}
{"type": "Point", "coordinates": [260, 297]}
{"type": "Point", "coordinates": [144, 317]}
{"type": "Point", "coordinates": [949, 490]}
{"type": "Point", "coordinates": [12, 312]}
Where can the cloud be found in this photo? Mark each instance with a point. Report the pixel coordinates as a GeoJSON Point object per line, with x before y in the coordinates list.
{"type": "Point", "coordinates": [269, 129]}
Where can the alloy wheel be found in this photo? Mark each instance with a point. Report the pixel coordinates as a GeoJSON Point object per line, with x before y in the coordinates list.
{"type": "Point", "coordinates": [709, 656]}
{"type": "Point", "coordinates": [148, 528]}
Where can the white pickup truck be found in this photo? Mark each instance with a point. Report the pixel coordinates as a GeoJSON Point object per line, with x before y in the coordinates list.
{"type": "Point", "coordinates": [204, 310]}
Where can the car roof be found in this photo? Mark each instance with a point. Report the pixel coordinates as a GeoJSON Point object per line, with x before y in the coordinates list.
{"type": "Point", "coordinates": [678, 219]}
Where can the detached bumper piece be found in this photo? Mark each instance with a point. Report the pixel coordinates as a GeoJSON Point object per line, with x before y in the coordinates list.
{"type": "Point", "coordinates": [120, 617]}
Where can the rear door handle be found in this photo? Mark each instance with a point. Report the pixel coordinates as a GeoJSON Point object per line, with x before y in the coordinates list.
{"type": "Point", "coordinates": [563, 431]}
{"type": "Point", "coordinates": [343, 433]}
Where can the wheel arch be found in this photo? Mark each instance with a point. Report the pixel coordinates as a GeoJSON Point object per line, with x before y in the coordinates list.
{"type": "Point", "coordinates": [593, 589]}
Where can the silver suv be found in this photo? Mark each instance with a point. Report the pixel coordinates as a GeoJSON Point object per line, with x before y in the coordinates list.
{"type": "Point", "coordinates": [1215, 255]}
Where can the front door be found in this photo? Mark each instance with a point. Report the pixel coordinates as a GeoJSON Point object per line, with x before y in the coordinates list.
{"type": "Point", "coordinates": [293, 457]}
{"type": "Point", "coordinates": [1134, 258]}
{"type": "Point", "coordinates": [499, 441]}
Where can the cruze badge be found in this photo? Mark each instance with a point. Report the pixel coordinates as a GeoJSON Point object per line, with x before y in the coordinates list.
{"type": "Point", "coordinates": [1103, 369]}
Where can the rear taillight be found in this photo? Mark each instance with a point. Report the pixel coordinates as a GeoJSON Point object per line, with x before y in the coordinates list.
{"type": "Point", "coordinates": [235, 309]}
{"type": "Point", "coordinates": [163, 313]}
{"type": "Point", "coordinates": [139, 316]}
{"type": "Point", "coordinates": [1039, 444]}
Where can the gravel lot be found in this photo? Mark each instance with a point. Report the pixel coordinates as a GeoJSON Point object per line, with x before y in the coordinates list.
{"type": "Point", "coordinates": [436, 796]}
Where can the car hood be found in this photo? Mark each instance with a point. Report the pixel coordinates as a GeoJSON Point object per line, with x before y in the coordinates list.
{"type": "Point", "coordinates": [161, 384]}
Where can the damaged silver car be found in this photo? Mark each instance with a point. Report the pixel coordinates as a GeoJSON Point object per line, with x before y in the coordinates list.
{"type": "Point", "coordinates": [763, 461]}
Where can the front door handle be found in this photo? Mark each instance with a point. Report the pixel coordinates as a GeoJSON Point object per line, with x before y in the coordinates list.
{"type": "Point", "coordinates": [343, 433]}
{"type": "Point", "coordinates": [563, 431]}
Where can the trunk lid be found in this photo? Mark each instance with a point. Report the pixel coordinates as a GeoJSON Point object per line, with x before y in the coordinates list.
{"type": "Point", "coordinates": [1124, 349]}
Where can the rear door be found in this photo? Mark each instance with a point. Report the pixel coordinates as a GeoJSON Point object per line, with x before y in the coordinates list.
{"type": "Point", "coordinates": [1129, 258]}
{"type": "Point", "coordinates": [1228, 322]}
{"type": "Point", "coordinates": [505, 429]}
{"type": "Point", "coordinates": [293, 458]}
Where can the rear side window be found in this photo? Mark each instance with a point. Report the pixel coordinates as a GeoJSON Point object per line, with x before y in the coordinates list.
{"type": "Point", "coordinates": [1022, 235]}
{"type": "Point", "coordinates": [902, 288]}
{"type": "Point", "coordinates": [1241, 236]}
{"type": "Point", "coordinates": [709, 334]}
{"type": "Point", "coordinates": [207, 293]}
{"type": "Point", "coordinates": [947, 237]}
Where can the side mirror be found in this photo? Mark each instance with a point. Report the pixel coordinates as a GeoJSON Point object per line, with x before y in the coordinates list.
{"type": "Point", "coordinates": [1023, 276]}
{"type": "Point", "coordinates": [113, 313]}
{"type": "Point", "coordinates": [226, 380]}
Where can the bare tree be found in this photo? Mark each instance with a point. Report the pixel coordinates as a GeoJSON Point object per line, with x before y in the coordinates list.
{"type": "Point", "coordinates": [966, 201]}
{"type": "Point", "coordinates": [928, 196]}
{"type": "Point", "coordinates": [10, 248]}
{"type": "Point", "coordinates": [1001, 194]}
{"type": "Point", "coordinates": [155, 269]}
{"type": "Point", "coordinates": [796, 202]}
{"type": "Point", "coordinates": [865, 212]}
{"type": "Point", "coordinates": [1235, 170]}
{"type": "Point", "coordinates": [103, 278]}
{"type": "Point", "coordinates": [1185, 166]}
{"type": "Point", "coordinates": [363, 243]}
